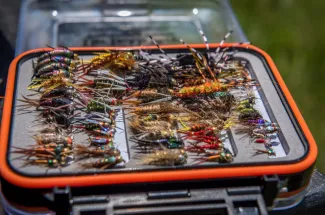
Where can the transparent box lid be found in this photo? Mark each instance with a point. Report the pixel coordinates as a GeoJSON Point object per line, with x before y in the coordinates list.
{"type": "Point", "coordinates": [122, 22]}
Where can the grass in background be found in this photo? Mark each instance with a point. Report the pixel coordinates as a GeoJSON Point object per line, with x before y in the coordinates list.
{"type": "Point", "coordinates": [292, 32]}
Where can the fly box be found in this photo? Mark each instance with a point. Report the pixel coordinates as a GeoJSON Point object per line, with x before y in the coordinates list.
{"type": "Point", "coordinates": [176, 129]}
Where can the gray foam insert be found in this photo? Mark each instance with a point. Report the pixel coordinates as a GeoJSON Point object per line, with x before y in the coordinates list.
{"type": "Point", "coordinates": [291, 146]}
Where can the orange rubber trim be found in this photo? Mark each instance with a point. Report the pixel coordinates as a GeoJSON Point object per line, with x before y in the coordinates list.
{"type": "Point", "coordinates": [154, 176]}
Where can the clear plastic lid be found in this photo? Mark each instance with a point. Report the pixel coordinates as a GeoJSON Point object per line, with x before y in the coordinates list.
{"type": "Point", "coordinates": [122, 22]}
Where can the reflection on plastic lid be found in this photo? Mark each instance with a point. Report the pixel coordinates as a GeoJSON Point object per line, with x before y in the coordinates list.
{"type": "Point", "coordinates": [124, 13]}
{"type": "Point", "coordinates": [54, 13]}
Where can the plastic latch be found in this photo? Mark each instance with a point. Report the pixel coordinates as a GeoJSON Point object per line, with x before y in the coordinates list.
{"type": "Point", "coordinates": [223, 201]}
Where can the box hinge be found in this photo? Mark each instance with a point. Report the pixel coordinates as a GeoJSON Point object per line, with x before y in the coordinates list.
{"type": "Point", "coordinates": [61, 200]}
{"type": "Point", "coordinates": [271, 189]}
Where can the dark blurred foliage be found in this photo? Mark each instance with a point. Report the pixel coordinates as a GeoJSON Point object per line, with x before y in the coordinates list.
{"type": "Point", "coordinates": [293, 33]}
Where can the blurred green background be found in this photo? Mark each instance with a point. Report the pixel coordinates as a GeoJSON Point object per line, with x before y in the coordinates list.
{"type": "Point", "coordinates": [293, 33]}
